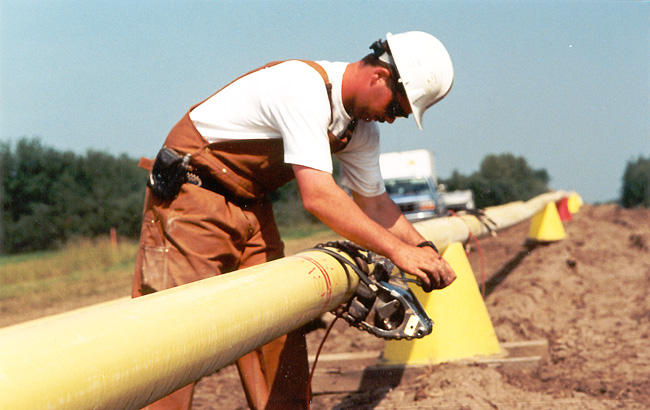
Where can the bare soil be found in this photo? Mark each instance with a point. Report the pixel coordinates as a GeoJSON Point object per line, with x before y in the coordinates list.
{"type": "Point", "coordinates": [587, 295]}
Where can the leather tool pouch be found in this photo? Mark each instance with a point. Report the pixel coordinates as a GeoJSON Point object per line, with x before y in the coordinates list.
{"type": "Point", "coordinates": [168, 174]}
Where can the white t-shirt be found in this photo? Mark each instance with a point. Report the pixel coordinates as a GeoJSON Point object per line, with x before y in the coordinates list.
{"type": "Point", "coordinates": [289, 101]}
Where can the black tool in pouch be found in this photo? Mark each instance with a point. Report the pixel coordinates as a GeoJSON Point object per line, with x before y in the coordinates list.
{"type": "Point", "coordinates": [169, 172]}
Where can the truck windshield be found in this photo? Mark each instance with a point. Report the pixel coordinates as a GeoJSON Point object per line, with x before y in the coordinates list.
{"type": "Point", "coordinates": [410, 186]}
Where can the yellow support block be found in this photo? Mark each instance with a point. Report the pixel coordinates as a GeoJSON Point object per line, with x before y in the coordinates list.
{"type": "Point", "coordinates": [462, 327]}
{"type": "Point", "coordinates": [574, 203]}
{"type": "Point", "coordinates": [546, 225]}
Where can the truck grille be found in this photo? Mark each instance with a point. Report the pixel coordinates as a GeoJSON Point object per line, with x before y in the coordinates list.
{"type": "Point", "coordinates": [407, 207]}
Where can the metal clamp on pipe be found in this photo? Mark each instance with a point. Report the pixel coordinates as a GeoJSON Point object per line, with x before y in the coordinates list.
{"type": "Point", "coordinates": [383, 304]}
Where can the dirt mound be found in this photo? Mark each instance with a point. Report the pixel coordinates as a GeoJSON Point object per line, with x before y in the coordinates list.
{"type": "Point", "coordinates": [588, 296]}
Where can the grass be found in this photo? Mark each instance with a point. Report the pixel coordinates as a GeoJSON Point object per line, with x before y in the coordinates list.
{"type": "Point", "coordinates": [87, 271]}
{"type": "Point", "coordinates": [301, 231]}
{"type": "Point", "coordinates": [84, 272]}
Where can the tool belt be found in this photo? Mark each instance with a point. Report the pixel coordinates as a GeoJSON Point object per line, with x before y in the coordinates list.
{"type": "Point", "coordinates": [168, 173]}
{"type": "Point", "coordinates": [171, 169]}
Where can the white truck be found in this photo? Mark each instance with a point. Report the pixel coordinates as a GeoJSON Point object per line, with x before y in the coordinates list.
{"type": "Point", "coordinates": [410, 179]}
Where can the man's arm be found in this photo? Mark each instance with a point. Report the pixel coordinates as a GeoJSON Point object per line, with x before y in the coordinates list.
{"type": "Point", "coordinates": [328, 202]}
{"type": "Point", "coordinates": [384, 211]}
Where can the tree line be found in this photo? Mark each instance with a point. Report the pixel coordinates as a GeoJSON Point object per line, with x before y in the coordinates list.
{"type": "Point", "coordinates": [501, 179]}
{"type": "Point", "coordinates": [48, 197]}
{"type": "Point", "coordinates": [636, 184]}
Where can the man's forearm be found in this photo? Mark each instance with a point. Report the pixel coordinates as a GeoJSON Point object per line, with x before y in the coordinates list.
{"type": "Point", "coordinates": [385, 212]}
{"type": "Point", "coordinates": [404, 230]}
{"type": "Point", "coordinates": [329, 203]}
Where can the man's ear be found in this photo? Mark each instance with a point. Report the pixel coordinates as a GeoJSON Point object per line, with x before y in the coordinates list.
{"type": "Point", "coordinates": [379, 74]}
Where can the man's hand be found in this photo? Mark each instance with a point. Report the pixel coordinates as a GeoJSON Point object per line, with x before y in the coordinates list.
{"type": "Point", "coordinates": [425, 263]}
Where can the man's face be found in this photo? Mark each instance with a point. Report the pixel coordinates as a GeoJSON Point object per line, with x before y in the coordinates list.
{"type": "Point", "coordinates": [383, 102]}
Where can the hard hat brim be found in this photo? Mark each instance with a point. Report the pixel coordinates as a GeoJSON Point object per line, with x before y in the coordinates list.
{"type": "Point", "coordinates": [417, 114]}
{"type": "Point", "coordinates": [424, 67]}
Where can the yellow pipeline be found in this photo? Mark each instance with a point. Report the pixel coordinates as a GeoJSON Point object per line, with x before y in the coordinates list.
{"type": "Point", "coordinates": [128, 353]}
{"type": "Point", "coordinates": [447, 230]}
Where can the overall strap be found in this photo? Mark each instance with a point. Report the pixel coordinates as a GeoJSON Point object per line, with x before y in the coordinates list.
{"type": "Point", "coordinates": [326, 80]}
{"type": "Point", "coordinates": [340, 142]}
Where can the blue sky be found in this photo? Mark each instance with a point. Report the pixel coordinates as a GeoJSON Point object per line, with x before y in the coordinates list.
{"type": "Point", "coordinates": [565, 85]}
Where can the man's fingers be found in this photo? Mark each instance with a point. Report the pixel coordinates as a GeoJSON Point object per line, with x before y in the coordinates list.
{"type": "Point", "coordinates": [428, 266]}
{"type": "Point", "coordinates": [425, 282]}
{"type": "Point", "coordinates": [428, 282]}
{"type": "Point", "coordinates": [440, 275]}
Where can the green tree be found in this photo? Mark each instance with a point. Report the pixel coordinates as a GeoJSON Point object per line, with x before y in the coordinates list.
{"type": "Point", "coordinates": [28, 206]}
{"type": "Point", "coordinates": [456, 181]}
{"type": "Point", "coordinates": [636, 184]}
{"type": "Point", "coordinates": [501, 179]}
{"type": "Point", "coordinates": [50, 197]}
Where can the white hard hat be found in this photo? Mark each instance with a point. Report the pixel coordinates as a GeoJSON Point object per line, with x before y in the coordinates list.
{"type": "Point", "coordinates": [424, 67]}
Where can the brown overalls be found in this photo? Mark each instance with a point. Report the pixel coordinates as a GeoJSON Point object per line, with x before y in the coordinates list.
{"type": "Point", "coordinates": [226, 225]}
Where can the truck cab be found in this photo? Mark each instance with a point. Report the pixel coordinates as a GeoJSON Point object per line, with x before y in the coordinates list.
{"type": "Point", "coordinates": [411, 183]}
{"type": "Point", "coordinates": [416, 197]}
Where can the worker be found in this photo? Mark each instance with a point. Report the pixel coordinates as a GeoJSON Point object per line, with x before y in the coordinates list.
{"type": "Point", "coordinates": [207, 207]}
